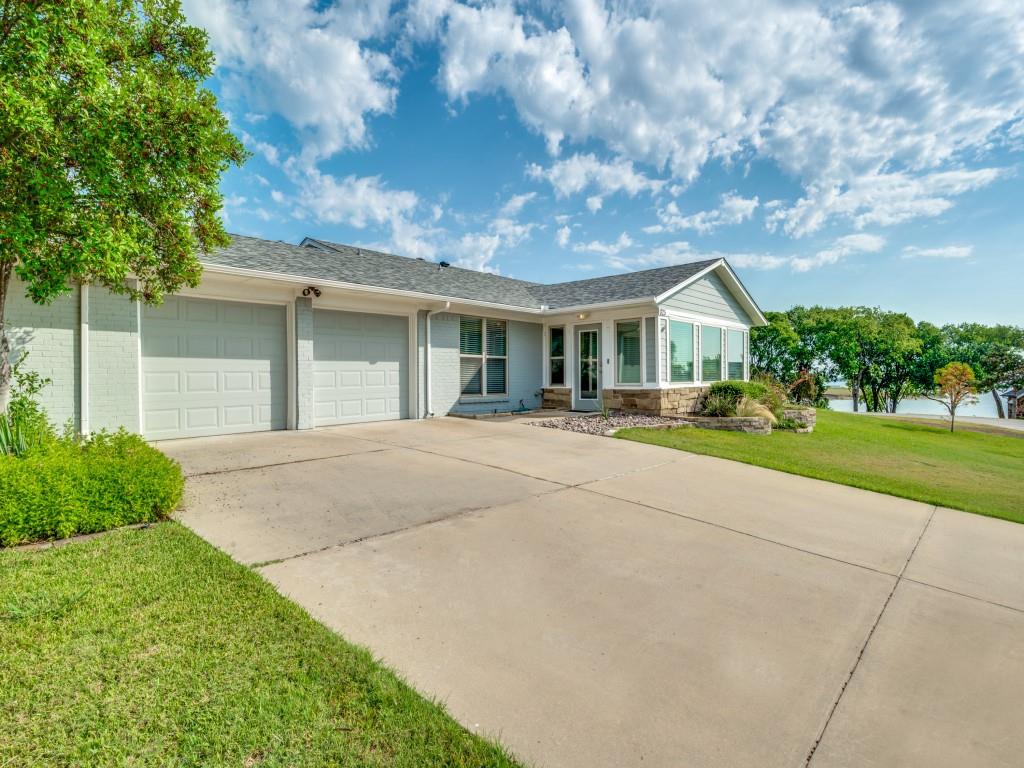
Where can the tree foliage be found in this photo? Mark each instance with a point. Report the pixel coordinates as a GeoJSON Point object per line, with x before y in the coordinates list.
{"type": "Point", "coordinates": [883, 356]}
{"type": "Point", "coordinates": [111, 150]}
{"type": "Point", "coordinates": [954, 386]}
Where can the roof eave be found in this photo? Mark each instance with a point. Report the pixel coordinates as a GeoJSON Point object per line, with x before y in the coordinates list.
{"type": "Point", "coordinates": [225, 269]}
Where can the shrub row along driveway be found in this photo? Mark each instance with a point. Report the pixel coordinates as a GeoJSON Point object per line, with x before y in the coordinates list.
{"type": "Point", "coordinates": [596, 602]}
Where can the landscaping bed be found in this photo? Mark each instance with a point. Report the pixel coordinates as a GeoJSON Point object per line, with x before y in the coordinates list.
{"type": "Point", "coordinates": [598, 424]}
{"type": "Point", "coordinates": [148, 647]}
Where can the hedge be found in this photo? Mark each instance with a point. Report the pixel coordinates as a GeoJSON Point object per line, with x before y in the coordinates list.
{"type": "Point", "coordinates": [68, 487]}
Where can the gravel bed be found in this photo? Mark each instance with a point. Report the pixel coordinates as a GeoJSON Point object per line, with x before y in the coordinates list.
{"type": "Point", "coordinates": [598, 424]}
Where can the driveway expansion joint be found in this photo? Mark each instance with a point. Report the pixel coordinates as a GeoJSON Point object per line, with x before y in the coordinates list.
{"type": "Point", "coordinates": [394, 531]}
{"type": "Point", "coordinates": [291, 461]}
{"type": "Point", "coordinates": [867, 640]}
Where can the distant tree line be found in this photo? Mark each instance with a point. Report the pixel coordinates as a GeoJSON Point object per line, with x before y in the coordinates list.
{"type": "Point", "coordinates": [882, 356]}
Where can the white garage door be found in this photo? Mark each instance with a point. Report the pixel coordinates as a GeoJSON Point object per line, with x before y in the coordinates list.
{"type": "Point", "coordinates": [360, 367]}
{"type": "Point", "coordinates": [213, 368]}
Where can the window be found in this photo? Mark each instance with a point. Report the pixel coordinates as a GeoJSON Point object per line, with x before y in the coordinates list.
{"type": "Point", "coordinates": [680, 339]}
{"type": "Point", "coordinates": [710, 353]}
{"type": "Point", "coordinates": [735, 354]}
{"type": "Point", "coordinates": [556, 356]}
{"type": "Point", "coordinates": [483, 356]}
{"type": "Point", "coordinates": [627, 352]}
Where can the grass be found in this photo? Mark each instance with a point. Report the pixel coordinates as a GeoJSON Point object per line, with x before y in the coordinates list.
{"type": "Point", "coordinates": [972, 471]}
{"type": "Point", "coordinates": [148, 647]}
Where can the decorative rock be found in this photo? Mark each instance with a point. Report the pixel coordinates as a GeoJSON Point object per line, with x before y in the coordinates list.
{"type": "Point", "coordinates": [599, 425]}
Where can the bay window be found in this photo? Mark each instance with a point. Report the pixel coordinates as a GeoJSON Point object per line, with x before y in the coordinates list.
{"type": "Point", "coordinates": [483, 356]}
{"type": "Point", "coordinates": [710, 353]}
{"type": "Point", "coordinates": [627, 352]}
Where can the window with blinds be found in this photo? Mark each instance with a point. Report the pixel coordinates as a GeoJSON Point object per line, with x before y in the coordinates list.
{"type": "Point", "coordinates": [627, 352]}
{"type": "Point", "coordinates": [710, 353]}
{"type": "Point", "coordinates": [735, 354]}
{"type": "Point", "coordinates": [483, 356]}
{"type": "Point", "coordinates": [680, 339]}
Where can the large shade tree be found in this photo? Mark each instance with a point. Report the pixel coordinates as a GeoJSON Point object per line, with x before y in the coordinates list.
{"type": "Point", "coordinates": [111, 151]}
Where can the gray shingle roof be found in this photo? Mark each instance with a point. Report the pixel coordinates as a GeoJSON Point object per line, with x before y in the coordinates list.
{"type": "Point", "coordinates": [323, 260]}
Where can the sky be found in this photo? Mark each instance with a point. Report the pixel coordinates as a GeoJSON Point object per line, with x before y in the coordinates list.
{"type": "Point", "coordinates": [835, 153]}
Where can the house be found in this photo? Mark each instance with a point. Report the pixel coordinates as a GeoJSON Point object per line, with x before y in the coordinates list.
{"type": "Point", "coordinates": [282, 336]}
{"type": "Point", "coordinates": [1014, 401]}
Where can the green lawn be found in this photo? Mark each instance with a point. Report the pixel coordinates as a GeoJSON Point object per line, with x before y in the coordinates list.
{"type": "Point", "coordinates": [976, 472]}
{"type": "Point", "coordinates": [149, 648]}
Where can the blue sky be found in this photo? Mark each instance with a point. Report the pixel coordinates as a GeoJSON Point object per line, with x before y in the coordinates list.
{"type": "Point", "coordinates": [835, 153]}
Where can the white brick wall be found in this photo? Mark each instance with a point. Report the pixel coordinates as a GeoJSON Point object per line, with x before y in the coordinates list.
{"type": "Point", "coordinates": [304, 362]}
{"type": "Point", "coordinates": [49, 333]}
{"type": "Point", "coordinates": [113, 361]}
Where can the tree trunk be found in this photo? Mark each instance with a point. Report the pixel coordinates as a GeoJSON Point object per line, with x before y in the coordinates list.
{"type": "Point", "coordinates": [5, 344]}
{"type": "Point", "coordinates": [855, 392]}
{"type": "Point", "coordinates": [999, 403]}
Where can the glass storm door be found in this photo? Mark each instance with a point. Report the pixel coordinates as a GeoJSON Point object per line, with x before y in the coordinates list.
{"type": "Point", "coordinates": [590, 361]}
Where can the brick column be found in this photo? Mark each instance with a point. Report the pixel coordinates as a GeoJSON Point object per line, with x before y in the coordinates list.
{"type": "Point", "coordinates": [304, 362]}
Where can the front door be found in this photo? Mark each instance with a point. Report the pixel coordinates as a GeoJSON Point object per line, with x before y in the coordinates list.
{"type": "Point", "coordinates": [587, 394]}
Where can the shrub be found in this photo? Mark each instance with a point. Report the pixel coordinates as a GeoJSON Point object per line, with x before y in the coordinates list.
{"type": "Point", "coordinates": [748, 407]}
{"type": "Point", "coordinates": [24, 426]}
{"type": "Point", "coordinates": [719, 404]}
{"type": "Point", "coordinates": [68, 486]}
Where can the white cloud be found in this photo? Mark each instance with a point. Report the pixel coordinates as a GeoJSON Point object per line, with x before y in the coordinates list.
{"type": "Point", "coordinates": [582, 172]}
{"type": "Point", "coordinates": [562, 236]}
{"type": "Point", "coordinates": [515, 204]}
{"type": "Point", "coordinates": [945, 252]}
{"type": "Point", "coordinates": [306, 64]}
{"type": "Point", "coordinates": [680, 252]}
{"type": "Point", "coordinates": [354, 200]}
{"type": "Point", "coordinates": [843, 247]}
{"type": "Point", "coordinates": [594, 203]}
{"type": "Point", "coordinates": [850, 99]}
{"type": "Point", "coordinates": [880, 199]}
{"type": "Point", "coordinates": [733, 209]}
{"type": "Point", "coordinates": [476, 251]}
{"type": "Point", "coordinates": [607, 249]}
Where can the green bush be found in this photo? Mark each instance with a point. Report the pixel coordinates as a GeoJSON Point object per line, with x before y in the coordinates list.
{"type": "Point", "coordinates": [24, 426]}
{"type": "Point", "coordinates": [68, 486]}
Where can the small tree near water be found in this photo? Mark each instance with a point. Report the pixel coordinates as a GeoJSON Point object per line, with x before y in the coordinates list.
{"type": "Point", "coordinates": [954, 385]}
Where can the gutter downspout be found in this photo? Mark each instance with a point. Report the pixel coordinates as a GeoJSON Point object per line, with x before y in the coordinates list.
{"type": "Point", "coordinates": [426, 358]}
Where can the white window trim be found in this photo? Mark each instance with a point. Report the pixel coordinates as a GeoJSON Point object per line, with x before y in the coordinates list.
{"type": "Point", "coordinates": [615, 352]}
{"type": "Point", "coordinates": [548, 357]}
{"type": "Point", "coordinates": [484, 357]}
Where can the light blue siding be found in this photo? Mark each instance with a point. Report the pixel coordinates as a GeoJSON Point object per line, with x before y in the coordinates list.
{"type": "Point", "coordinates": [525, 368]}
{"type": "Point", "coordinates": [710, 297]}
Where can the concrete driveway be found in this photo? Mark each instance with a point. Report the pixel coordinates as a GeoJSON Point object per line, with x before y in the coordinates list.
{"type": "Point", "coordinates": [593, 602]}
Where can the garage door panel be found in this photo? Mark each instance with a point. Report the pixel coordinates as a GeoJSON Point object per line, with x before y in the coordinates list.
{"type": "Point", "coordinates": [209, 367]}
{"type": "Point", "coordinates": [360, 367]}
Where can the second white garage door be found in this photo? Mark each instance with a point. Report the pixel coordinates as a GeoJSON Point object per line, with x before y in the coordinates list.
{"type": "Point", "coordinates": [360, 367]}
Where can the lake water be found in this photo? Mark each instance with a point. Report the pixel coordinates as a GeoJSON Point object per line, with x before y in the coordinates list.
{"type": "Point", "coordinates": [924, 407]}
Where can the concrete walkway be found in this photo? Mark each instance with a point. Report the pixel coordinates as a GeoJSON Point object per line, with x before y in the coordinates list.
{"type": "Point", "coordinates": [594, 602]}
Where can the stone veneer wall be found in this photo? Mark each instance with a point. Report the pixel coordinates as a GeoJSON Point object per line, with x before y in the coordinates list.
{"type": "Point", "coordinates": [559, 398]}
{"type": "Point", "coordinates": [656, 402]}
{"type": "Point", "coordinates": [752, 425]}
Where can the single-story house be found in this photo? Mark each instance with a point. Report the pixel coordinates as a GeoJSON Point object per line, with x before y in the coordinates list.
{"type": "Point", "coordinates": [282, 336]}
